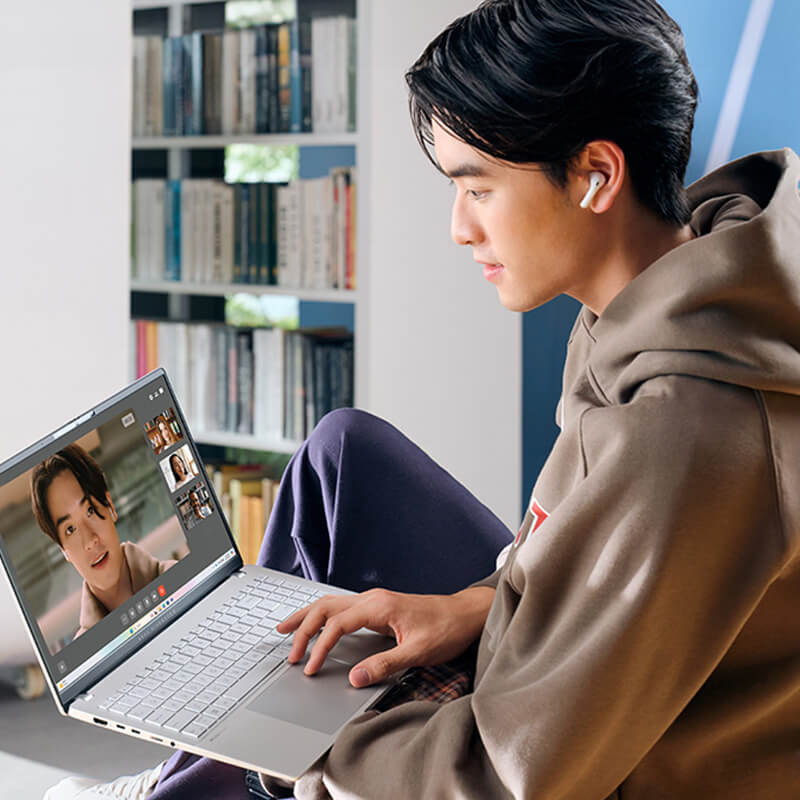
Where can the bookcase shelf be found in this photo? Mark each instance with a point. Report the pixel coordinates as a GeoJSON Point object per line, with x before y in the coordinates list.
{"type": "Point", "coordinates": [137, 5]}
{"type": "Point", "coordinates": [270, 139]}
{"type": "Point", "coordinates": [218, 289]}
{"type": "Point", "coordinates": [246, 442]}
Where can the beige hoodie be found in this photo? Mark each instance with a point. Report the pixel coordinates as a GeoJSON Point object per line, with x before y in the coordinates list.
{"type": "Point", "coordinates": [644, 641]}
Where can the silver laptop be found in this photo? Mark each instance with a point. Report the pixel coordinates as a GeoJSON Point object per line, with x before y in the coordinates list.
{"type": "Point", "coordinates": [144, 618]}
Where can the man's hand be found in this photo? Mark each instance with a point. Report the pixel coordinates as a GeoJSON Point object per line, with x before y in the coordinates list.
{"type": "Point", "coordinates": [429, 629]}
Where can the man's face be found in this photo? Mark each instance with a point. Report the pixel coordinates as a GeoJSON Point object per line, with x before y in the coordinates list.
{"type": "Point", "coordinates": [522, 228]}
{"type": "Point", "coordinates": [90, 542]}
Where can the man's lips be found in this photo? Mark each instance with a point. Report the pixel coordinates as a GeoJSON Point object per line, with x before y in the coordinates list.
{"type": "Point", "coordinates": [491, 271]}
{"type": "Point", "coordinates": [100, 560]}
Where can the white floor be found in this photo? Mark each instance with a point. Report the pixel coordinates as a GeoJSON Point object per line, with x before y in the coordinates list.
{"type": "Point", "coordinates": [33, 731]}
{"type": "Point", "coordinates": [26, 780]}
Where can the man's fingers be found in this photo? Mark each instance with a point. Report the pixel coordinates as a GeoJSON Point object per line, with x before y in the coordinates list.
{"type": "Point", "coordinates": [380, 666]}
{"type": "Point", "coordinates": [307, 622]}
{"type": "Point", "coordinates": [336, 626]}
{"type": "Point", "coordinates": [292, 622]}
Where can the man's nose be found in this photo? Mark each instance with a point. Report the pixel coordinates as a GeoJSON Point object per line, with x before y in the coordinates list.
{"type": "Point", "coordinates": [463, 229]}
{"type": "Point", "coordinates": [89, 535]}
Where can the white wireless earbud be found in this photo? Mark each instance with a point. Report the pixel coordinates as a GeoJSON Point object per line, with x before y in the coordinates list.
{"type": "Point", "coordinates": [596, 180]}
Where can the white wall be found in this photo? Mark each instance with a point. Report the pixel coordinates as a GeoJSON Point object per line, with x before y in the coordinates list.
{"type": "Point", "coordinates": [64, 91]}
{"type": "Point", "coordinates": [64, 139]}
{"type": "Point", "coordinates": [443, 356]}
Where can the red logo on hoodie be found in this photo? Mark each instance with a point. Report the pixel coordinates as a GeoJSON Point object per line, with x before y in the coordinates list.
{"type": "Point", "coordinates": [538, 516]}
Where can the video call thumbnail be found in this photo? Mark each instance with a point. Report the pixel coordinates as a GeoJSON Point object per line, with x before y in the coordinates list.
{"type": "Point", "coordinates": [195, 505]}
{"type": "Point", "coordinates": [163, 431]}
{"type": "Point", "coordinates": [179, 468]}
{"type": "Point", "coordinates": [90, 527]}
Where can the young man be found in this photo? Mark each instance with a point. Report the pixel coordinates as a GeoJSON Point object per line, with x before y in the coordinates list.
{"type": "Point", "coordinates": [639, 639]}
{"type": "Point", "coordinates": [73, 506]}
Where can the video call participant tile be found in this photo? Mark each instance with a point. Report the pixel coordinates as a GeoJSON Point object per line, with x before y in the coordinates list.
{"type": "Point", "coordinates": [163, 431]}
{"type": "Point", "coordinates": [179, 468]}
{"type": "Point", "coordinates": [195, 505]}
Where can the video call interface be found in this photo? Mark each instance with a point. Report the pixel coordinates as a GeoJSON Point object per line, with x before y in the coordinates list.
{"type": "Point", "coordinates": [103, 529]}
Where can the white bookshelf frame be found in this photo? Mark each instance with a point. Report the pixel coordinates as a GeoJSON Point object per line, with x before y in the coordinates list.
{"type": "Point", "coordinates": [176, 147]}
{"type": "Point", "coordinates": [202, 141]}
{"type": "Point", "coordinates": [246, 441]}
{"type": "Point", "coordinates": [220, 289]}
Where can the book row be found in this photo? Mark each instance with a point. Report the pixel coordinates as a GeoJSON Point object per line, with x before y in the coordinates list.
{"type": "Point", "coordinates": [267, 382]}
{"type": "Point", "coordinates": [289, 77]}
{"type": "Point", "coordinates": [296, 235]}
{"type": "Point", "coordinates": [247, 495]}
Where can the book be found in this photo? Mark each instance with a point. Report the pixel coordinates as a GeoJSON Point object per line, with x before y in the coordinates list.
{"type": "Point", "coordinates": [262, 80]}
{"type": "Point", "coordinates": [244, 388]}
{"type": "Point", "coordinates": [247, 86]}
{"type": "Point", "coordinates": [231, 72]}
{"type": "Point", "coordinates": [284, 77]}
{"type": "Point", "coordinates": [273, 82]}
{"type": "Point", "coordinates": [212, 83]}
{"type": "Point", "coordinates": [295, 79]}
{"type": "Point", "coordinates": [139, 85]}
{"type": "Point", "coordinates": [172, 233]}
{"type": "Point", "coordinates": [170, 122]}
{"type": "Point", "coordinates": [195, 68]}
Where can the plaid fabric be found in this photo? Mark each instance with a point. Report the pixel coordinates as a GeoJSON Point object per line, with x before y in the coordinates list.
{"type": "Point", "coordinates": [438, 684]}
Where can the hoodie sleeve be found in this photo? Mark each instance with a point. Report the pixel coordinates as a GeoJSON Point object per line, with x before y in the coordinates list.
{"type": "Point", "coordinates": [608, 621]}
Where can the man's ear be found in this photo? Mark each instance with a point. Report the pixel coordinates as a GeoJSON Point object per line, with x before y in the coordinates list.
{"type": "Point", "coordinates": [607, 158]}
{"type": "Point", "coordinates": [111, 507]}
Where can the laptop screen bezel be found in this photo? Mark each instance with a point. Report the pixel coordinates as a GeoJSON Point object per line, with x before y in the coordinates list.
{"type": "Point", "coordinates": [75, 429]}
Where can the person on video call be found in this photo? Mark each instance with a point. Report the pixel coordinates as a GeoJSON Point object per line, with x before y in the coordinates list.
{"type": "Point", "coordinates": [199, 509]}
{"type": "Point", "coordinates": [72, 505]}
{"type": "Point", "coordinates": [167, 435]}
{"type": "Point", "coordinates": [181, 475]}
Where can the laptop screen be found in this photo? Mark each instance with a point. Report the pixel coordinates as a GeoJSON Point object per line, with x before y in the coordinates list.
{"type": "Point", "coordinates": [106, 528]}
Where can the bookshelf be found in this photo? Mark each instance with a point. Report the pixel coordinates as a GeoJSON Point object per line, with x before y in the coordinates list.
{"type": "Point", "coordinates": [201, 156]}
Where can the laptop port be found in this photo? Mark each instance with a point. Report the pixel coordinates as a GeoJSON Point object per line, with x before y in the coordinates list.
{"type": "Point", "coordinates": [100, 721]}
{"type": "Point", "coordinates": [138, 733]}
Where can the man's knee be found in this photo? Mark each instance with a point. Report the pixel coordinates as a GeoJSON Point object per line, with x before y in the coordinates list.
{"type": "Point", "coordinates": [350, 423]}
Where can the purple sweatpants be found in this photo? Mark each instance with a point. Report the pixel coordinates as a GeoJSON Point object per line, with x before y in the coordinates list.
{"type": "Point", "coordinates": [360, 506]}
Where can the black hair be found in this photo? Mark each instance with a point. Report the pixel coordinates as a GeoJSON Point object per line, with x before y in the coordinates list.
{"type": "Point", "coordinates": [534, 81]}
{"type": "Point", "coordinates": [183, 466]}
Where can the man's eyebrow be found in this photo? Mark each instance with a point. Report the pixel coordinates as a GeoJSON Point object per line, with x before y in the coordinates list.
{"type": "Point", "coordinates": [467, 170]}
{"type": "Point", "coordinates": [65, 517]}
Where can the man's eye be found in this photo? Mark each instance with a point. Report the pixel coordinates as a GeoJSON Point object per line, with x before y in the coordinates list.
{"type": "Point", "coordinates": [69, 530]}
{"type": "Point", "coordinates": [90, 511]}
{"type": "Point", "coordinates": [476, 194]}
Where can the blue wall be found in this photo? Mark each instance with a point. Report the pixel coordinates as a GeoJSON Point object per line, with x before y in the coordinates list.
{"type": "Point", "coordinates": [770, 119]}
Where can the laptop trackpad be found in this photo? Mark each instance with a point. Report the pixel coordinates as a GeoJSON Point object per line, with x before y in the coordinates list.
{"type": "Point", "coordinates": [323, 702]}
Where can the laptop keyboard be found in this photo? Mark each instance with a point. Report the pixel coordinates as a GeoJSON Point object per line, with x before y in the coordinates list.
{"type": "Point", "coordinates": [193, 684]}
